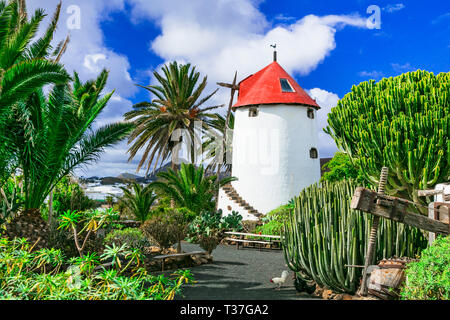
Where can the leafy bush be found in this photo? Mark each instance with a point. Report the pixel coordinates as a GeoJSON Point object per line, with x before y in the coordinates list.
{"type": "Point", "coordinates": [138, 201]}
{"type": "Point", "coordinates": [273, 227]}
{"type": "Point", "coordinates": [208, 228]}
{"type": "Point", "coordinates": [429, 278]}
{"type": "Point", "coordinates": [89, 222]}
{"type": "Point", "coordinates": [341, 168]}
{"type": "Point", "coordinates": [132, 237]}
{"type": "Point", "coordinates": [166, 230]}
{"type": "Point", "coordinates": [275, 219]}
{"type": "Point", "coordinates": [39, 275]}
{"type": "Point", "coordinates": [68, 195]}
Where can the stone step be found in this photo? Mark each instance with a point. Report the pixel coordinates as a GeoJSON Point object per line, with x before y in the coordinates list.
{"type": "Point", "coordinates": [233, 195]}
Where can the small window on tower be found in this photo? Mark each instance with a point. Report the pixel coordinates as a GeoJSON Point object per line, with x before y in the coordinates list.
{"type": "Point", "coordinates": [286, 86]}
{"type": "Point", "coordinates": [253, 112]}
{"type": "Point", "coordinates": [311, 113]}
{"type": "Point", "coordinates": [313, 153]}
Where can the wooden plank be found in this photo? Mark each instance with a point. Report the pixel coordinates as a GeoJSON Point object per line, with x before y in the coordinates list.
{"type": "Point", "coordinates": [362, 200]}
{"type": "Point", "coordinates": [175, 255]}
{"type": "Point", "coordinates": [248, 241]}
{"type": "Point", "coordinates": [428, 193]}
{"type": "Point", "coordinates": [253, 235]}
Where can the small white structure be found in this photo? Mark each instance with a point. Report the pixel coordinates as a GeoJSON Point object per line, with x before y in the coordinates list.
{"type": "Point", "coordinates": [275, 141]}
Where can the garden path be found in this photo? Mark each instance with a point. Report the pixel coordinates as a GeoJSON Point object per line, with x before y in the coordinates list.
{"type": "Point", "coordinates": [240, 275]}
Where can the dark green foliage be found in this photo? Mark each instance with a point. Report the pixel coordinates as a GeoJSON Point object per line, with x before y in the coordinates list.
{"type": "Point", "coordinates": [324, 235]}
{"type": "Point", "coordinates": [65, 138]}
{"type": "Point", "coordinates": [429, 278]}
{"type": "Point", "coordinates": [341, 168]}
{"type": "Point", "coordinates": [223, 142]}
{"type": "Point", "coordinates": [132, 237]}
{"type": "Point", "coordinates": [190, 187]}
{"type": "Point", "coordinates": [166, 229]}
{"type": "Point", "coordinates": [402, 123]}
{"type": "Point", "coordinates": [68, 195]}
{"type": "Point", "coordinates": [25, 67]}
{"type": "Point", "coordinates": [176, 106]}
{"type": "Point", "coordinates": [138, 201]}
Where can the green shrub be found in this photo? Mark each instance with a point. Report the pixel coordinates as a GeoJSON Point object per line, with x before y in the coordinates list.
{"type": "Point", "coordinates": [208, 228]}
{"type": "Point", "coordinates": [429, 278]}
{"type": "Point", "coordinates": [68, 195]}
{"type": "Point", "coordinates": [273, 227]}
{"type": "Point", "coordinates": [132, 237]}
{"type": "Point", "coordinates": [273, 222]}
{"type": "Point", "coordinates": [166, 230]}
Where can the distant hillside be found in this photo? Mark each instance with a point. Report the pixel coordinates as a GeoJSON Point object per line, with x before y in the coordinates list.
{"type": "Point", "coordinates": [128, 176]}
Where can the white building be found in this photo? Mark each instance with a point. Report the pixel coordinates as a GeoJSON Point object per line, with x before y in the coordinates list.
{"type": "Point", "coordinates": [275, 143]}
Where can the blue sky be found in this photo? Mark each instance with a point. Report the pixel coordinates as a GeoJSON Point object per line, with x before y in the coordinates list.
{"type": "Point", "coordinates": [326, 45]}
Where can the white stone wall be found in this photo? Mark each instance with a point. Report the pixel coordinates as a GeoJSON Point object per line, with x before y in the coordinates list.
{"type": "Point", "coordinates": [271, 154]}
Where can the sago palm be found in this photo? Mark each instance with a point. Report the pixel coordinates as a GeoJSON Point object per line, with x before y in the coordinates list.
{"type": "Point", "coordinates": [64, 136]}
{"type": "Point", "coordinates": [138, 201]}
{"type": "Point", "coordinates": [190, 187]}
{"type": "Point", "coordinates": [25, 66]}
{"type": "Point", "coordinates": [177, 105]}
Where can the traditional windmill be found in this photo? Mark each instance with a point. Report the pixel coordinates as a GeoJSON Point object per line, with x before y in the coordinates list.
{"type": "Point", "coordinates": [275, 142]}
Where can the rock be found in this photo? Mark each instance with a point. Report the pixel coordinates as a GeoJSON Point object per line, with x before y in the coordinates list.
{"type": "Point", "coordinates": [326, 294]}
{"type": "Point", "coordinates": [339, 297]}
{"type": "Point", "coordinates": [346, 296]}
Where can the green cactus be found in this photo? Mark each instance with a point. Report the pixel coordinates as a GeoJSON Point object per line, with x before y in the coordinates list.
{"type": "Point", "coordinates": [323, 236]}
{"type": "Point", "coordinates": [402, 123]}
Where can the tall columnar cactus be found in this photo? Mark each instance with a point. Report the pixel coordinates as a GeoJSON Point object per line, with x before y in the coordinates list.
{"type": "Point", "coordinates": [323, 236]}
{"type": "Point", "coordinates": [402, 123]}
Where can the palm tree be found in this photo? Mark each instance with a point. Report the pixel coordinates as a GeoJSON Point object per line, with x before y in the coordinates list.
{"type": "Point", "coordinates": [176, 106]}
{"type": "Point", "coordinates": [25, 67]}
{"type": "Point", "coordinates": [138, 201]}
{"type": "Point", "coordinates": [190, 187]}
{"type": "Point", "coordinates": [64, 137]}
{"type": "Point", "coordinates": [211, 144]}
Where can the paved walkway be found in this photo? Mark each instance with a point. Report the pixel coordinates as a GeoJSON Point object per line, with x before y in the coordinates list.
{"type": "Point", "coordinates": [240, 275]}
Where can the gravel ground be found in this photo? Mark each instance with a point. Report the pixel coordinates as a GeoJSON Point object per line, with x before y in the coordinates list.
{"type": "Point", "coordinates": [240, 275]}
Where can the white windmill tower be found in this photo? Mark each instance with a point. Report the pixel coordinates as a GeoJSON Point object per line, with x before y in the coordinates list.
{"type": "Point", "coordinates": [275, 142]}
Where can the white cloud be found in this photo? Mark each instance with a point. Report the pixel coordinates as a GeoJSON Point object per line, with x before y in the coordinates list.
{"type": "Point", "coordinates": [401, 68]}
{"type": "Point", "coordinates": [224, 36]}
{"type": "Point", "coordinates": [371, 74]}
{"type": "Point", "coordinates": [390, 8]}
{"type": "Point", "coordinates": [87, 53]}
{"type": "Point", "coordinates": [219, 37]}
{"type": "Point", "coordinates": [326, 100]}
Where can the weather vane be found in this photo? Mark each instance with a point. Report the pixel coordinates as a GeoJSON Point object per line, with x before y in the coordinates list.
{"type": "Point", "coordinates": [274, 46]}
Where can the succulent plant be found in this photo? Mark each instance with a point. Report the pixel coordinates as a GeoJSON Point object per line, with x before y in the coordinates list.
{"type": "Point", "coordinates": [402, 123]}
{"type": "Point", "coordinates": [323, 237]}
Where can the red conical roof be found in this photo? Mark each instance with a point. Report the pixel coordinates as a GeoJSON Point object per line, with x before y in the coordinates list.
{"type": "Point", "coordinates": [264, 87]}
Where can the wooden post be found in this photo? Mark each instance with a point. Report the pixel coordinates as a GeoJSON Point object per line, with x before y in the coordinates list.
{"type": "Point", "coordinates": [371, 248]}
